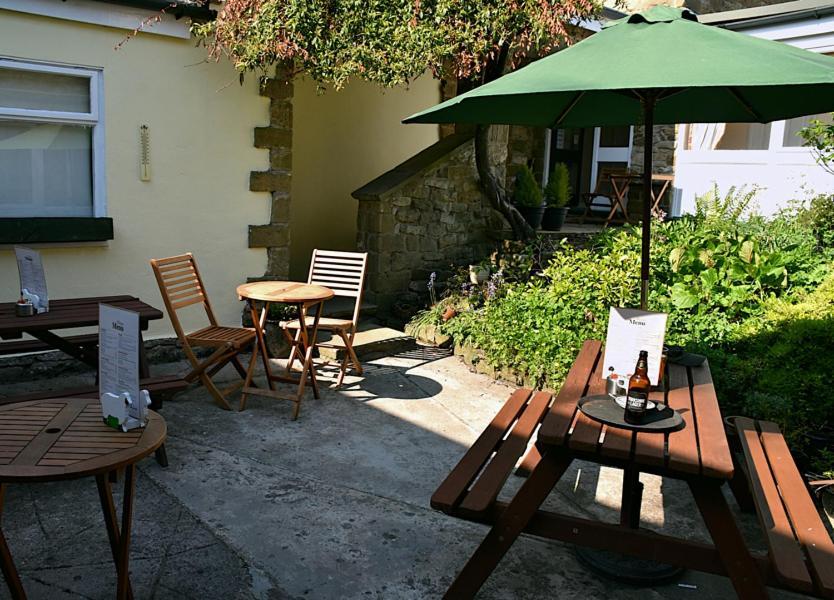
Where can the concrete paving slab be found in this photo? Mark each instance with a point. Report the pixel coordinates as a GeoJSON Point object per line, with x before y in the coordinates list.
{"type": "Point", "coordinates": [334, 505]}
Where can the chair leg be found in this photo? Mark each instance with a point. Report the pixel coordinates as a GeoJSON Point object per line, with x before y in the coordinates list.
{"type": "Point", "coordinates": [238, 366]}
{"type": "Point", "coordinates": [350, 355]}
{"type": "Point", "coordinates": [219, 399]}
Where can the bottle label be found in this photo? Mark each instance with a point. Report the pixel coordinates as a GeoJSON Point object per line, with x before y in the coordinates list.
{"type": "Point", "coordinates": [637, 401]}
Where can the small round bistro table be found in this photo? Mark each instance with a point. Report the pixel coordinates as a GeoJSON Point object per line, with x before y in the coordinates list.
{"type": "Point", "coordinates": [50, 440]}
{"type": "Point", "coordinates": [303, 296]}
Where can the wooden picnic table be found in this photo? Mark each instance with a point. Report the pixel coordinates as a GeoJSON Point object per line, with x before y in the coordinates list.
{"type": "Point", "coordinates": [57, 439]}
{"type": "Point", "coordinates": [70, 313]}
{"type": "Point", "coordinates": [698, 454]}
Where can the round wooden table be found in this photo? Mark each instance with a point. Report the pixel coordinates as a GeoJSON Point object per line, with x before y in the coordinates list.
{"type": "Point", "coordinates": [303, 296]}
{"type": "Point", "coordinates": [49, 440]}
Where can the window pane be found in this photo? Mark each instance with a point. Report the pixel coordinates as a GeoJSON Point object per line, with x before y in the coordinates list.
{"type": "Point", "coordinates": [614, 137]}
{"type": "Point", "coordinates": [745, 136]}
{"type": "Point", "coordinates": [792, 127]}
{"type": "Point", "coordinates": [44, 91]}
{"type": "Point", "coordinates": [45, 170]}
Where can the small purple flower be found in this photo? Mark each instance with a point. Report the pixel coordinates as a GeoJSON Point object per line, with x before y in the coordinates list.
{"type": "Point", "coordinates": [432, 279]}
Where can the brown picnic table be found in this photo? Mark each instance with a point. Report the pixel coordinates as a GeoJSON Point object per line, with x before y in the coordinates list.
{"type": "Point", "coordinates": [63, 438]}
{"type": "Point", "coordinates": [70, 313]}
{"type": "Point", "coordinates": [698, 454]}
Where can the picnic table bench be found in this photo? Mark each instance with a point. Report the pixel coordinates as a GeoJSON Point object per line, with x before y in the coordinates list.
{"type": "Point", "coordinates": [698, 454]}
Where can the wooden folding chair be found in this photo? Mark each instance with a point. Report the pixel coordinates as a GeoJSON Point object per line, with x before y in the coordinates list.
{"type": "Point", "coordinates": [344, 273]}
{"type": "Point", "coordinates": [181, 286]}
{"type": "Point", "coordinates": [610, 193]}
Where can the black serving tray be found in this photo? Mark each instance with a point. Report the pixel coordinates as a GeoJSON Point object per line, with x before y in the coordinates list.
{"type": "Point", "coordinates": [604, 408]}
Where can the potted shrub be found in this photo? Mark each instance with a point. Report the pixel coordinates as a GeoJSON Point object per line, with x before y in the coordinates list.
{"type": "Point", "coordinates": [527, 196]}
{"type": "Point", "coordinates": [556, 195]}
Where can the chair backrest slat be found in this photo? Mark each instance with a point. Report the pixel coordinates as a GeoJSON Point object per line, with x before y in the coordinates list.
{"type": "Point", "coordinates": [342, 272]}
{"type": "Point", "coordinates": [181, 285]}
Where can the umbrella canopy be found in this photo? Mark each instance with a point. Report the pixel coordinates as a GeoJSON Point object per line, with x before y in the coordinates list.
{"type": "Point", "coordinates": [659, 66]}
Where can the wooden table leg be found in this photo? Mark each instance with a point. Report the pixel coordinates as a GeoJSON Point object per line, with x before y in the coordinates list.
{"type": "Point", "coordinates": [311, 344]}
{"type": "Point", "coordinates": [123, 566]}
{"type": "Point", "coordinates": [6, 563]}
{"type": "Point", "coordinates": [728, 540]}
{"type": "Point", "coordinates": [108, 508]}
{"type": "Point", "coordinates": [509, 525]}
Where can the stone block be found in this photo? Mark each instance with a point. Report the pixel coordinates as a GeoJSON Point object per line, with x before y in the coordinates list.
{"type": "Point", "coordinates": [391, 243]}
{"type": "Point", "coordinates": [269, 181]}
{"type": "Point", "coordinates": [277, 88]}
{"type": "Point", "coordinates": [278, 262]}
{"type": "Point", "coordinates": [280, 158]}
{"type": "Point", "coordinates": [407, 215]}
{"type": "Point", "coordinates": [280, 114]}
{"type": "Point", "coordinates": [401, 201]}
{"type": "Point", "coordinates": [280, 208]}
{"type": "Point", "coordinates": [272, 137]}
{"type": "Point", "coordinates": [269, 236]}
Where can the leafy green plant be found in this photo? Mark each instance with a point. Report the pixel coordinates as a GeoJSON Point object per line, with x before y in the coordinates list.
{"type": "Point", "coordinates": [557, 191]}
{"type": "Point", "coordinates": [819, 135]}
{"type": "Point", "coordinates": [526, 192]}
{"type": "Point", "coordinates": [820, 218]}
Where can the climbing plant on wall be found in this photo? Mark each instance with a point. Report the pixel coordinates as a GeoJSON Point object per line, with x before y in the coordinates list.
{"type": "Point", "coordinates": [391, 42]}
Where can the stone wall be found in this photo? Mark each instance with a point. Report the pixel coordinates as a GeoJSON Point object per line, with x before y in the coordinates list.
{"type": "Point", "coordinates": [424, 215]}
{"type": "Point", "coordinates": [277, 137]}
{"type": "Point", "coordinates": [663, 151]}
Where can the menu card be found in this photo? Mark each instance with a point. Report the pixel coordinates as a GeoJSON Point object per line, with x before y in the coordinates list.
{"type": "Point", "coordinates": [32, 277]}
{"type": "Point", "coordinates": [629, 331]}
{"type": "Point", "coordinates": [118, 354]}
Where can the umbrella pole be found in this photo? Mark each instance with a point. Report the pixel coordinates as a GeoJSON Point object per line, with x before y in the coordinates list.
{"type": "Point", "coordinates": [648, 102]}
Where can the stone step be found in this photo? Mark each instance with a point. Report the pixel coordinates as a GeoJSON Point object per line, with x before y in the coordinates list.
{"type": "Point", "coordinates": [342, 308]}
{"type": "Point", "coordinates": [372, 340]}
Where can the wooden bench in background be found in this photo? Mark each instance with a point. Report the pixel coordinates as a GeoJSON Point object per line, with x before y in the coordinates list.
{"type": "Point", "coordinates": [801, 552]}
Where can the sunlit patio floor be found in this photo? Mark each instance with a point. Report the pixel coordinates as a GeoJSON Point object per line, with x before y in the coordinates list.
{"type": "Point", "coordinates": [333, 505]}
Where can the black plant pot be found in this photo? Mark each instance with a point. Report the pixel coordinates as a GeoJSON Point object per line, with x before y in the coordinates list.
{"type": "Point", "coordinates": [554, 218]}
{"type": "Point", "coordinates": [533, 216]}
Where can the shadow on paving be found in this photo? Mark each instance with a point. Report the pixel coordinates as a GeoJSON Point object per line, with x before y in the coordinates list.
{"type": "Point", "coordinates": [333, 505]}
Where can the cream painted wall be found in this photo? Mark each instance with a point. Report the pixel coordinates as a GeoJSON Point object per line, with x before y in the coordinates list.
{"type": "Point", "coordinates": [341, 141]}
{"type": "Point", "coordinates": [201, 131]}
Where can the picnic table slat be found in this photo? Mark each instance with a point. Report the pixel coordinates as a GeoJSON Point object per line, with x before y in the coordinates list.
{"type": "Point", "coordinates": [554, 429]}
{"type": "Point", "coordinates": [683, 444]}
{"type": "Point", "coordinates": [712, 439]}
{"type": "Point", "coordinates": [485, 490]}
{"type": "Point", "coordinates": [650, 448]}
{"type": "Point", "coordinates": [586, 432]}
{"type": "Point", "coordinates": [449, 493]}
{"type": "Point", "coordinates": [786, 554]}
{"type": "Point", "coordinates": [803, 514]}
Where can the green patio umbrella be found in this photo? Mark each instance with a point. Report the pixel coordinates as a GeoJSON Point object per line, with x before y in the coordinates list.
{"type": "Point", "coordinates": [659, 66]}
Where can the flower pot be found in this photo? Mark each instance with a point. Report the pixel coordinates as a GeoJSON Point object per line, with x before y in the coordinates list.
{"type": "Point", "coordinates": [449, 313]}
{"type": "Point", "coordinates": [533, 215]}
{"type": "Point", "coordinates": [478, 274]}
{"type": "Point", "coordinates": [554, 218]}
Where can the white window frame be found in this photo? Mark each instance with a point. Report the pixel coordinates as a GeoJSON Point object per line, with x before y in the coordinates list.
{"type": "Point", "coordinates": [93, 119]}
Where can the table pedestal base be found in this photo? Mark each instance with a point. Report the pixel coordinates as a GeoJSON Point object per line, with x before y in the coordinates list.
{"type": "Point", "coordinates": [627, 569]}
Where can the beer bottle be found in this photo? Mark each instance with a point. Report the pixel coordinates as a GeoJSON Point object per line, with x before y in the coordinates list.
{"type": "Point", "coordinates": [638, 390]}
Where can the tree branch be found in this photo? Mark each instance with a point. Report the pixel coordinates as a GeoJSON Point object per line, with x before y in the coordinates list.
{"type": "Point", "coordinates": [489, 181]}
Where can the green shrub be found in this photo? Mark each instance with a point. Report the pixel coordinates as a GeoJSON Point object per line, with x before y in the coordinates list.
{"type": "Point", "coordinates": [779, 368]}
{"type": "Point", "coordinates": [557, 192]}
{"type": "Point", "coordinates": [526, 192]}
{"type": "Point", "coordinates": [820, 218]}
